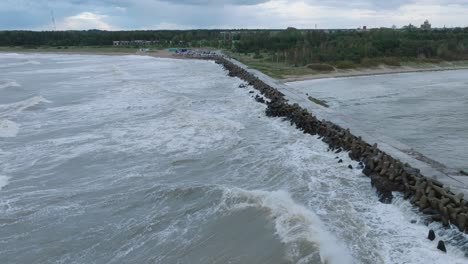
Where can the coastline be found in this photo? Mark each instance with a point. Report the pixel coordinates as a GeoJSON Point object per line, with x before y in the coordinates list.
{"type": "Point", "coordinates": [156, 54]}
{"type": "Point", "coordinates": [369, 72]}
{"type": "Point", "coordinates": [389, 167]}
{"type": "Point", "coordinates": [360, 72]}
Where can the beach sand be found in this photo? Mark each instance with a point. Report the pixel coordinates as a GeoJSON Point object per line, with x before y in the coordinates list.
{"type": "Point", "coordinates": [154, 53]}
{"type": "Point", "coordinates": [164, 53]}
{"type": "Point", "coordinates": [369, 72]}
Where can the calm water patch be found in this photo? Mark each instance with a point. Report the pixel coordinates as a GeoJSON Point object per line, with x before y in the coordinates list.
{"type": "Point", "coordinates": [427, 111]}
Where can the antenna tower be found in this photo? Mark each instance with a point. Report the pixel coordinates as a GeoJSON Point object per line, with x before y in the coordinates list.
{"type": "Point", "coordinates": [53, 19]}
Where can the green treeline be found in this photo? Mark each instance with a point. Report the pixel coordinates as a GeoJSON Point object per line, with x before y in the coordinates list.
{"type": "Point", "coordinates": [350, 47]}
{"type": "Point", "coordinates": [344, 48]}
{"type": "Point", "coordinates": [105, 38]}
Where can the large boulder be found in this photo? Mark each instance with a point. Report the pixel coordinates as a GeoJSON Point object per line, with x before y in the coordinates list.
{"type": "Point", "coordinates": [385, 187]}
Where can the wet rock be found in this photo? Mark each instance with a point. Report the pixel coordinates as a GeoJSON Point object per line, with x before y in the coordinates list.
{"type": "Point", "coordinates": [259, 99]}
{"type": "Point", "coordinates": [441, 246]}
{"type": "Point", "coordinates": [366, 171]}
{"type": "Point", "coordinates": [387, 174]}
{"type": "Point", "coordinates": [413, 221]}
{"type": "Point", "coordinates": [431, 236]}
{"type": "Point", "coordinates": [411, 170]}
{"type": "Point", "coordinates": [360, 166]}
{"type": "Point", "coordinates": [429, 211]}
{"type": "Point", "coordinates": [461, 220]}
{"type": "Point", "coordinates": [350, 167]}
{"type": "Point", "coordinates": [385, 187]}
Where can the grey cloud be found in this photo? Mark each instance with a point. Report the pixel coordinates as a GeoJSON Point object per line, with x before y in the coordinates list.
{"type": "Point", "coordinates": [217, 2]}
{"type": "Point", "coordinates": [136, 14]}
{"type": "Point", "coordinates": [173, 2]}
{"type": "Point", "coordinates": [382, 4]}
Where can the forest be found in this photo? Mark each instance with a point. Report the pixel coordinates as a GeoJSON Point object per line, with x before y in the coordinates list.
{"type": "Point", "coordinates": [344, 48]}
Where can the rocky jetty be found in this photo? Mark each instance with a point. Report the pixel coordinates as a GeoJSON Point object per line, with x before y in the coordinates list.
{"type": "Point", "coordinates": [387, 173]}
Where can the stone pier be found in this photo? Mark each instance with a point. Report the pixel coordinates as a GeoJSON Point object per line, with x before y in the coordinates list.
{"type": "Point", "coordinates": [391, 166]}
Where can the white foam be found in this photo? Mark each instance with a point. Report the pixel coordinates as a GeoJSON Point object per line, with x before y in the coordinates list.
{"type": "Point", "coordinates": [10, 110]}
{"type": "Point", "coordinates": [3, 181]}
{"type": "Point", "coordinates": [20, 63]}
{"type": "Point", "coordinates": [9, 54]}
{"type": "Point", "coordinates": [186, 132]}
{"type": "Point", "coordinates": [8, 128]}
{"type": "Point", "coordinates": [8, 83]}
{"type": "Point", "coordinates": [294, 223]}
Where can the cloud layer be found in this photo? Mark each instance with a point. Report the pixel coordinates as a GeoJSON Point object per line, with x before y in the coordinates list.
{"type": "Point", "coordinates": [189, 14]}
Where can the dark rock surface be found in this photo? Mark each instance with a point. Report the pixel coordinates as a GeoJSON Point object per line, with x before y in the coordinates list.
{"type": "Point", "coordinates": [431, 236]}
{"type": "Point", "coordinates": [441, 246]}
{"type": "Point", "coordinates": [387, 173]}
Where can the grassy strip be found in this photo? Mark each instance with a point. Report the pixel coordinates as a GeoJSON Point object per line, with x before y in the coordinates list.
{"type": "Point", "coordinates": [281, 70]}
{"type": "Point", "coordinates": [318, 101]}
{"type": "Point", "coordinates": [276, 70]}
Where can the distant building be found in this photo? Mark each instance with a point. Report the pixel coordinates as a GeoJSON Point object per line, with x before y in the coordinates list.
{"type": "Point", "coordinates": [426, 25]}
{"type": "Point", "coordinates": [410, 26]}
{"type": "Point", "coordinates": [135, 42]}
{"type": "Point", "coordinates": [359, 29]}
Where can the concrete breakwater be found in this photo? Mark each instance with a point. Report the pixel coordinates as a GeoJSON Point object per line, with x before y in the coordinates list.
{"type": "Point", "coordinates": [387, 174]}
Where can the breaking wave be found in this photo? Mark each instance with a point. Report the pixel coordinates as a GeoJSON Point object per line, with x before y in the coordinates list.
{"type": "Point", "coordinates": [3, 181]}
{"type": "Point", "coordinates": [295, 225]}
{"type": "Point", "coordinates": [10, 110]}
{"type": "Point", "coordinates": [10, 128]}
{"type": "Point", "coordinates": [8, 83]}
{"type": "Point", "coordinates": [20, 63]}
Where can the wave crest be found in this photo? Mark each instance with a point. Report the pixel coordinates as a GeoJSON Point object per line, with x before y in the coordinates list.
{"type": "Point", "coordinates": [8, 83]}
{"type": "Point", "coordinates": [9, 128]}
{"type": "Point", "coordinates": [20, 63]}
{"type": "Point", "coordinates": [294, 224]}
{"type": "Point", "coordinates": [3, 181]}
{"type": "Point", "coordinates": [9, 110]}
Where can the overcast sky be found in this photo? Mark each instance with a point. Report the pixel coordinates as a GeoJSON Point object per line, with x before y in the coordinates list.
{"type": "Point", "coordinates": [195, 14]}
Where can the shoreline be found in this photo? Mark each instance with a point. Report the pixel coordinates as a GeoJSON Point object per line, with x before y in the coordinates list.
{"type": "Point", "coordinates": [164, 54]}
{"type": "Point", "coordinates": [368, 72]}
{"type": "Point", "coordinates": [381, 162]}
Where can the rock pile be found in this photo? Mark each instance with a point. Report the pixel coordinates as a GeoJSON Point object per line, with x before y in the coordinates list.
{"type": "Point", "coordinates": [236, 71]}
{"type": "Point", "coordinates": [387, 174]}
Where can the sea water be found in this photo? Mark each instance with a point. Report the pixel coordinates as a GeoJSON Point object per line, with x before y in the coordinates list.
{"type": "Point", "coordinates": [427, 111]}
{"type": "Point", "coordinates": [133, 159]}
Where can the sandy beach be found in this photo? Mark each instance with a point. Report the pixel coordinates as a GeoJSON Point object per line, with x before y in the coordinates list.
{"type": "Point", "coordinates": [154, 53]}
{"type": "Point", "coordinates": [164, 53]}
{"type": "Point", "coordinates": [382, 70]}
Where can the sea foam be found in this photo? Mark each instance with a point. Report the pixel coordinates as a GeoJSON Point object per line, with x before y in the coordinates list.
{"type": "Point", "coordinates": [8, 83]}
{"type": "Point", "coordinates": [20, 63]}
{"type": "Point", "coordinates": [9, 110]}
{"type": "Point", "coordinates": [294, 223]}
{"type": "Point", "coordinates": [3, 181]}
{"type": "Point", "coordinates": [8, 128]}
